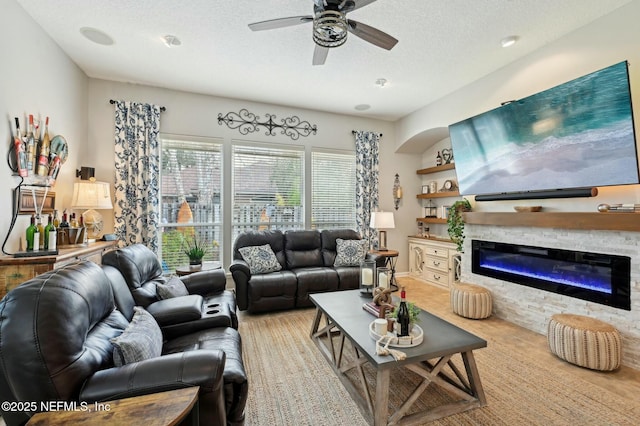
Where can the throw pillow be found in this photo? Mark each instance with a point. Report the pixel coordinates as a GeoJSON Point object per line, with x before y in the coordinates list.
{"type": "Point", "coordinates": [172, 288]}
{"type": "Point", "coordinates": [142, 339]}
{"type": "Point", "coordinates": [261, 259]}
{"type": "Point", "coordinates": [350, 252]}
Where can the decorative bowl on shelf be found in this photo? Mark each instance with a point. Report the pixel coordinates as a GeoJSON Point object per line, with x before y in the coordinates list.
{"type": "Point", "coordinates": [522, 209]}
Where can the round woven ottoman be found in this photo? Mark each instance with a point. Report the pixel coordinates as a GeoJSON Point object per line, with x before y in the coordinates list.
{"type": "Point", "coordinates": [585, 341]}
{"type": "Point", "coordinates": [470, 300]}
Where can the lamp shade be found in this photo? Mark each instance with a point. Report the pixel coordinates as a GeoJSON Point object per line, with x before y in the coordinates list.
{"type": "Point", "coordinates": [91, 195]}
{"type": "Point", "coordinates": [382, 220]}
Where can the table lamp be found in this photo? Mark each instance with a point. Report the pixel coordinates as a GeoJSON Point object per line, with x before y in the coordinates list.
{"type": "Point", "coordinates": [92, 195]}
{"type": "Point", "coordinates": [381, 221]}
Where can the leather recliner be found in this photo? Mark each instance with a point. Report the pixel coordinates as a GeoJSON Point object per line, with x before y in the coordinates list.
{"type": "Point", "coordinates": [55, 332]}
{"type": "Point", "coordinates": [307, 260]}
{"type": "Point", "coordinates": [208, 304]}
{"type": "Point", "coordinates": [227, 339]}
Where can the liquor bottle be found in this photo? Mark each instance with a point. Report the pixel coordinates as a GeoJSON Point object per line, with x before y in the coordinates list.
{"type": "Point", "coordinates": [54, 169]}
{"type": "Point", "coordinates": [31, 232]}
{"type": "Point", "coordinates": [40, 232]}
{"type": "Point", "coordinates": [64, 223]}
{"type": "Point", "coordinates": [31, 147]}
{"type": "Point", "coordinates": [21, 155]}
{"type": "Point", "coordinates": [403, 314]}
{"type": "Point", "coordinates": [439, 159]}
{"type": "Point", "coordinates": [56, 220]}
{"type": "Point", "coordinates": [50, 235]}
{"type": "Point", "coordinates": [45, 147]}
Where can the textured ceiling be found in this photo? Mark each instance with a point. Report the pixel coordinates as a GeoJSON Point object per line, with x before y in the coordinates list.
{"type": "Point", "coordinates": [443, 46]}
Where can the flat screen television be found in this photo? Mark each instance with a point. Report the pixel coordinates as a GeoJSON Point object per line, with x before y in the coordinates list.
{"type": "Point", "coordinates": [579, 134]}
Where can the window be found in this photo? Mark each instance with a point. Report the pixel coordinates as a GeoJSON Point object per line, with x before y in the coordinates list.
{"type": "Point", "coordinates": [267, 188]}
{"type": "Point", "coordinates": [333, 190]}
{"type": "Point", "coordinates": [190, 193]}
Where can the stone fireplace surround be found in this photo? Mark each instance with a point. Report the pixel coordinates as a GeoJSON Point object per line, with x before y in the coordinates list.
{"type": "Point", "coordinates": [532, 308]}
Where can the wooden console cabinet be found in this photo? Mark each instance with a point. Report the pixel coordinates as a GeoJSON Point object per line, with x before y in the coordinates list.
{"type": "Point", "coordinates": [431, 259]}
{"type": "Point", "coordinates": [14, 271]}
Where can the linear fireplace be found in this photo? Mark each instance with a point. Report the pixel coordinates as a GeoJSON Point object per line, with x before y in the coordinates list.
{"type": "Point", "coordinates": [596, 277]}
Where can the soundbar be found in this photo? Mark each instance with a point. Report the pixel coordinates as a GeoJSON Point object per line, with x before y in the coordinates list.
{"type": "Point", "coordinates": [535, 195]}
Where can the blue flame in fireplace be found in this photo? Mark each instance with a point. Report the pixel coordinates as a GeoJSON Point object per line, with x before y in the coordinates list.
{"type": "Point", "coordinates": [591, 277]}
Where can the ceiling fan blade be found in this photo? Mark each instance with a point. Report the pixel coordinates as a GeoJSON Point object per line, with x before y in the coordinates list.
{"type": "Point", "coordinates": [372, 35]}
{"type": "Point", "coordinates": [272, 24]}
{"type": "Point", "coordinates": [362, 3]}
{"type": "Point", "coordinates": [320, 55]}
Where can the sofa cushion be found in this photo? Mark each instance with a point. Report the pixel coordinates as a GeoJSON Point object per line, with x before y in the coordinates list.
{"type": "Point", "coordinates": [329, 244]}
{"type": "Point", "coordinates": [314, 280]}
{"type": "Point", "coordinates": [302, 249]}
{"type": "Point", "coordinates": [350, 252]}
{"type": "Point", "coordinates": [261, 259]}
{"type": "Point", "coordinates": [174, 287]}
{"type": "Point", "coordinates": [141, 340]}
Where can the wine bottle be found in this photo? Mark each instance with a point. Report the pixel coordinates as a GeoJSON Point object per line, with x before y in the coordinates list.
{"type": "Point", "coordinates": [403, 314]}
{"type": "Point", "coordinates": [45, 147]}
{"type": "Point", "coordinates": [50, 235]}
{"type": "Point", "coordinates": [21, 156]}
{"type": "Point", "coordinates": [31, 147]}
{"type": "Point", "coordinates": [64, 223]}
{"type": "Point", "coordinates": [439, 159]}
{"type": "Point", "coordinates": [40, 232]}
{"type": "Point", "coordinates": [56, 220]}
{"type": "Point", "coordinates": [31, 232]}
{"type": "Point", "coordinates": [73, 222]}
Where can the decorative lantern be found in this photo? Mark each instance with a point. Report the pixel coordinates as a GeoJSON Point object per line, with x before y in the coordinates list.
{"type": "Point", "coordinates": [431, 210]}
{"type": "Point", "coordinates": [383, 276]}
{"type": "Point", "coordinates": [367, 277]}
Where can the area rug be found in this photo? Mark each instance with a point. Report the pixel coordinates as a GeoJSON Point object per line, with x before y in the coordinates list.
{"type": "Point", "coordinates": [290, 383]}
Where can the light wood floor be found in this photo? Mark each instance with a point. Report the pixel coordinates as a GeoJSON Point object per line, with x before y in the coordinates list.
{"type": "Point", "coordinates": [625, 381]}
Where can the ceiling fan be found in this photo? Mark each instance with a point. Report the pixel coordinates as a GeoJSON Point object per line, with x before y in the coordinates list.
{"type": "Point", "coordinates": [330, 26]}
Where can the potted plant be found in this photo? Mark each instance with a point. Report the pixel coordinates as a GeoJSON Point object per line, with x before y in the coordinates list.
{"type": "Point", "coordinates": [455, 222]}
{"type": "Point", "coordinates": [195, 249]}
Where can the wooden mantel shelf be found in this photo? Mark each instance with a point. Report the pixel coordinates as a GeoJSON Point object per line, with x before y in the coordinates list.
{"type": "Point", "coordinates": [564, 220]}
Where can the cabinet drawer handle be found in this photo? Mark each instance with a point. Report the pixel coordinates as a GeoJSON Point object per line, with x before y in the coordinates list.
{"type": "Point", "coordinates": [436, 277]}
{"type": "Point", "coordinates": [436, 263]}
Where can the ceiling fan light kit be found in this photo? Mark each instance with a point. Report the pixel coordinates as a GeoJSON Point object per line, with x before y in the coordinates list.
{"type": "Point", "coordinates": [330, 26]}
{"type": "Point", "coordinates": [330, 29]}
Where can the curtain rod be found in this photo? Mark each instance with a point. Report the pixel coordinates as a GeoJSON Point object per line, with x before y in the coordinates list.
{"type": "Point", "coordinates": [355, 131]}
{"type": "Point", "coordinates": [162, 109]}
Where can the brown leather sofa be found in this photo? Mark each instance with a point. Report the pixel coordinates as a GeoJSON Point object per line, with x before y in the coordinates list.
{"type": "Point", "coordinates": [307, 260]}
{"type": "Point", "coordinates": [55, 333]}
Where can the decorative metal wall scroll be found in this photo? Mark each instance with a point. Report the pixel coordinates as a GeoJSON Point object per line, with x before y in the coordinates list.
{"type": "Point", "coordinates": [247, 122]}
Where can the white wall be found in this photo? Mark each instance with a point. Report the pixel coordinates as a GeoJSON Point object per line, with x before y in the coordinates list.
{"type": "Point", "coordinates": [37, 78]}
{"type": "Point", "coordinates": [609, 40]}
{"type": "Point", "coordinates": [196, 115]}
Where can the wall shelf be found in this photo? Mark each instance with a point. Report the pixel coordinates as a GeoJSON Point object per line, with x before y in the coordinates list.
{"type": "Point", "coordinates": [431, 220]}
{"type": "Point", "coordinates": [439, 195]}
{"type": "Point", "coordinates": [562, 220]}
{"type": "Point", "coordinates": [436, 169]}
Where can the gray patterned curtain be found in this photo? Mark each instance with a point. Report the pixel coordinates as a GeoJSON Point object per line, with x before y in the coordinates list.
{"type": "Point", "coordinates": [137, 164]}
{"type": "Point", "coordinates": [366, 182]}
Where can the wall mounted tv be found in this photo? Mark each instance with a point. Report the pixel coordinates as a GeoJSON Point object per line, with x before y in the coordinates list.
{"type": "Point", "coordinates": [578, 135]}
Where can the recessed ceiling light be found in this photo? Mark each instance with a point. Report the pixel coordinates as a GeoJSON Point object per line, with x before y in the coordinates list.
{"type": "Point", "coordinates": [362, 107]}
{"type": "Point", "coordinates": [171, 40]}
{"type": "Point", "coordinates": [381, 82]}
{"type": "Point", "coordinates": [96, 36]}
{"type": "Point", "coordinates": [509, 41]}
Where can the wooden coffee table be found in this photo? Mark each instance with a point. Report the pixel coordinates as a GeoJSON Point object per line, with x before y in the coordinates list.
{"type": "Point", "coordinates": [432, 359]}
